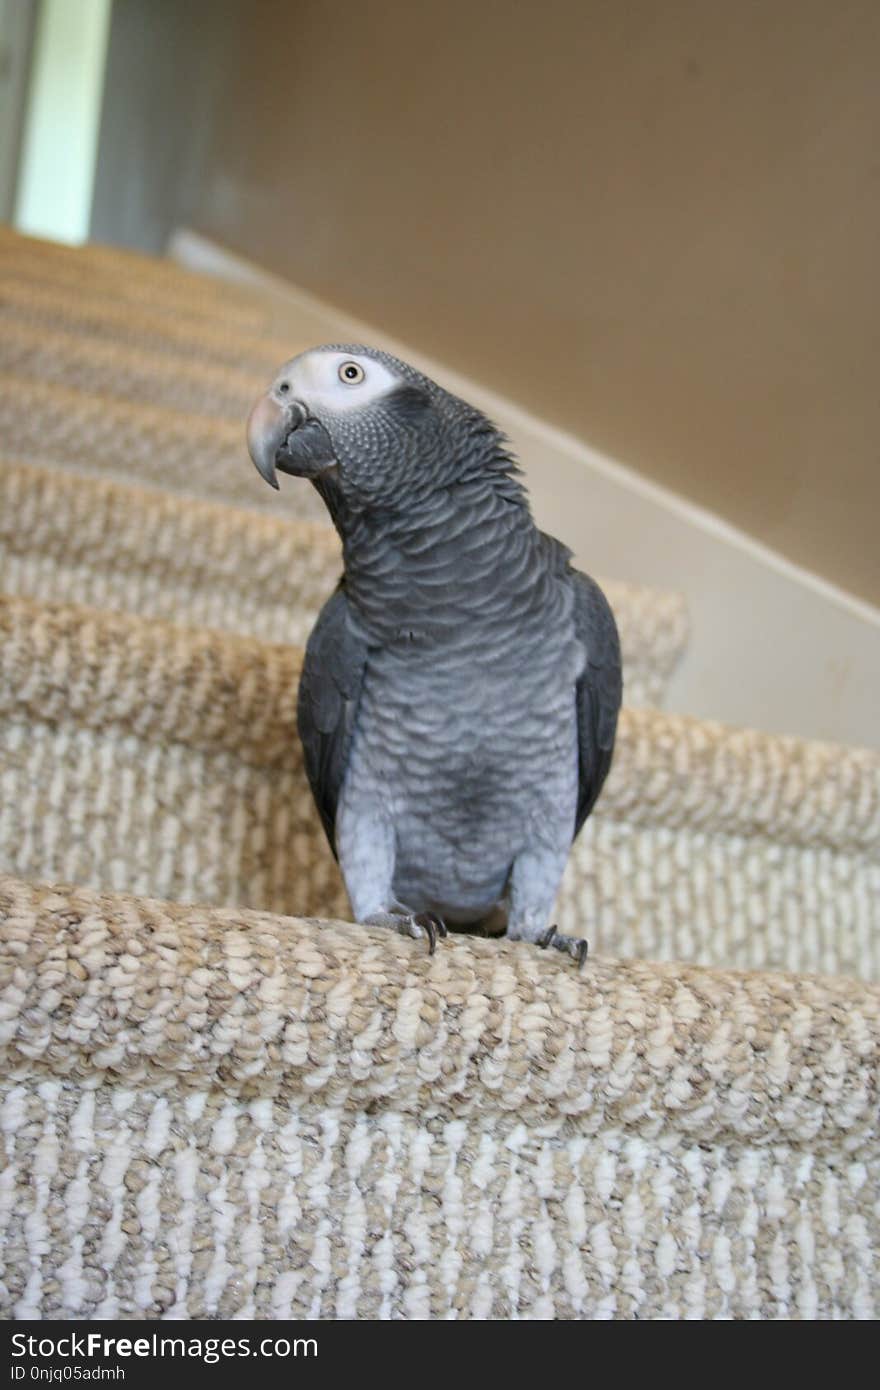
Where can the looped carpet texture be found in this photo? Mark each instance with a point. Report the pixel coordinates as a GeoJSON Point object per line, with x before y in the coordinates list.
{"type": "Point", "coordinates": [213, 1108]}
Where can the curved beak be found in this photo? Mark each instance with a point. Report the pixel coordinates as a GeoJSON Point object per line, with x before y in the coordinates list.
{"type": "Point", "coordinates": [269, 424]}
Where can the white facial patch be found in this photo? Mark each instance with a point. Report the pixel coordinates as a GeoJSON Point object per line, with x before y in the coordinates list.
{"type": "Point", "coordinates": [317, 379]}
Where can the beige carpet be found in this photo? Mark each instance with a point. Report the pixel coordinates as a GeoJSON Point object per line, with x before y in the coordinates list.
{"type": "Point", "coordinates": [214, 1108]}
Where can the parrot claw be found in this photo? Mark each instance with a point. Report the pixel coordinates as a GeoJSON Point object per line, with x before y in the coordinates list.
{"type": "Point", "coordinates": [433, 926]}
{"type": "Point", "coordinates": [576, 946]}
{"type": "Point", "coordinates": [414, 924]}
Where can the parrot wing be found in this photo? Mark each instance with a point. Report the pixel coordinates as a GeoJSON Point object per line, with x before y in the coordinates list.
{"type": "Point", "coordinates": [329, 693]}
{"type": "Point", "coordinates": [599, 691]}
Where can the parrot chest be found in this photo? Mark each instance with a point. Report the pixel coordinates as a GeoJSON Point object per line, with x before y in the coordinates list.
{"type": "Point", "coordinates": [473, 759]}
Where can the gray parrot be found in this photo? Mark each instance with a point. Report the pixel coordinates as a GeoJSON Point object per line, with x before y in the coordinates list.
{"type": "Point", "coordinates": [460, 690]}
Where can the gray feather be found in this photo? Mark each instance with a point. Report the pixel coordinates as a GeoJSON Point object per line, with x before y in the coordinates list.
{"type": "Point", "coordinates": [329, 693]}
{"type": "Point", "coordinates": [599, 691]}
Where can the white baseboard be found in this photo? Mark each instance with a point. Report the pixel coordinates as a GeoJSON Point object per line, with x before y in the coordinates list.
{"type": "Point", "coordinates": [773, 646]}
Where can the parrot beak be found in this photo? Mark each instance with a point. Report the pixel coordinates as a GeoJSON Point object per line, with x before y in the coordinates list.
{"type": "Point", "coordinates": [282, 434]}
{"type": "Point", "coordinates": [268, 426]}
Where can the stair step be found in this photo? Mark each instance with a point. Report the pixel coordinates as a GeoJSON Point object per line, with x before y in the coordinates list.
{"type": "Point", "coordinates": [145, 757]}
{"type": "Point", "coordinates": [332, 1007]}
{"type": "Point", "coordinates": [181, 453]}
{"type": "Point", "coordinates": [94, 313]}
{"type": "Point", "coordinates": [110, 545]}
{"type": "Point", "coordinates": [177, 380]}
{"type": "Point", "coordinates": [130, 276]}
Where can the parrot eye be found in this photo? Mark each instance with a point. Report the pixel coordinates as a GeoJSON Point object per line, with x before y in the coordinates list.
{"type": "Point", "coordinates": [351, 373]}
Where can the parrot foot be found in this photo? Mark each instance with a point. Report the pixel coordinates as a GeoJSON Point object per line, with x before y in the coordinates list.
{"type": "Point", "coordinates": [575, 946]}
{"type": "Point", "coordinates": [414, 924]}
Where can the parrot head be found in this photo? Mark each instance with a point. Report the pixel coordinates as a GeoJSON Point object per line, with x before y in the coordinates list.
{"type": "Point", "coordinates": [368, 430]}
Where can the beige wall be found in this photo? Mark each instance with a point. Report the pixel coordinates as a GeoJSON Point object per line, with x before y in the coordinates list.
{"type": "Point", "coordinates": [656, 224]}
